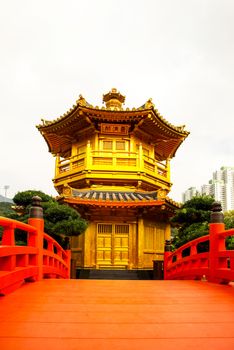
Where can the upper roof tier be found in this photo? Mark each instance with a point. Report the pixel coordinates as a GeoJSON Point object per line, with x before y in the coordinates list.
{"type": "Point", "coordinates": [144, 122]}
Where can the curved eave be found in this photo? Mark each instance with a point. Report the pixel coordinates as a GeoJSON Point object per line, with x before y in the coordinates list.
{"type": "Point", "coordinates": [58, 144]}
{"type": "Point", "coordinates": [155, 126]}
{"type": "Point", "coordinates": [126, 115]}
{"type": "Point", "coordinates": [166, 137]}
{"type": "Point", "coordinates": [167, 204]}
{"type": "Point", "coordinates": [60, 132]}
{"type": "Point", "coordinates": [173, 204]}
{"type": "Point", "coordinates": [112, 204]}
{"type": "Point", "coordinates": [99, 113]}
{"type": "Point", "coordinates": [158, 119]}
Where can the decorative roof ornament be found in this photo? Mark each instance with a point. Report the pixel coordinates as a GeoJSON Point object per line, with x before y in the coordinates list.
{"type": "Point", "coordinates": [81, 101]}
{"type": "Point", "coordinates": [114, 100]}
{"type": "Point", "coordinates": [162, 193]}
{"type": "Point", "coordinates": [181, 127]}
{"type": "Point", "coordinates": [149, 104]}
{"type": "Point", "coordinates": [67, 190]}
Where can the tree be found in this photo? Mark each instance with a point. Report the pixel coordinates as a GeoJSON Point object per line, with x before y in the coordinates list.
{"type": "Point", "coordinates": [192, 220]}
{"type": "Point", "coordinates": [229, 223]}
{"type": "Point", "coordinates": [229, 219]}
{"type": "Point", "coordinates": [5, 209]}
{"type": "Point", "coordinates": [60, 220]}
{"type": "Point", "coordinates": [25, 198]}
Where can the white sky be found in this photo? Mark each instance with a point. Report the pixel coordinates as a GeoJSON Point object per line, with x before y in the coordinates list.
{"type": "Point", "coordinates": [179, 52]}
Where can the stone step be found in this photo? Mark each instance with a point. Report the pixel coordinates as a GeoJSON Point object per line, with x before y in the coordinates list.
{"type": "Point", "coordinates": [115, 274]}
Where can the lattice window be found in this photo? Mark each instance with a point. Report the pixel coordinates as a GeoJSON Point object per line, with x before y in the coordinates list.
{"type": "Point", "coordinates": [122, 229]}
{"type": "Point", "coordinates": [120, 145]}
{"type": "Point", "coordinates": [107, 145]}
{"type": "Point", "coordinates": [104, 228]}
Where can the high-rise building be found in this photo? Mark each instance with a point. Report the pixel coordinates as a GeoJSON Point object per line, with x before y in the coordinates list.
{"type": "Point", "coordinates": [206, 189]}
{"type": "Point", "coordinates": [221, 187]}
{"type": "Point", "coordinates": [189, 194]}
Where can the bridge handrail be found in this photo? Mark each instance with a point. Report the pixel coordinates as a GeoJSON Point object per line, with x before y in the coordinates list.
{"type": "Point", "coordinates": [193, 243]}
{"type": "Point", "coordinates": [6, 222]}
{"type": "Point", "coordinates": [215, 265]}
{"type": "Point", "coordinates": [226, 233]}
{"type": "Point", "coordinates": [33, 261]}
{"type": "Point", "coordinates": [60, 266]}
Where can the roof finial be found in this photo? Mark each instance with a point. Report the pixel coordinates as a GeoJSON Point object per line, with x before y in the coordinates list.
{"type": "Point", "coordinates": [114, 100]}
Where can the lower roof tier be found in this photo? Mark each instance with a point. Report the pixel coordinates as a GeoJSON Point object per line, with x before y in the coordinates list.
{"type": "Point", "coordinates": [118, 199]}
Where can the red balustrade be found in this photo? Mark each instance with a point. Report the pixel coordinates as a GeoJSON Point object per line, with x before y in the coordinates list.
{"type": "Point", "coordinates": [41, 257]}
{"type": "Point", "coordinates": [190, 262]}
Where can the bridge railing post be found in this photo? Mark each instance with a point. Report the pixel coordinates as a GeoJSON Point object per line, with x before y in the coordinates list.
{"type": "Point", "coordinates": [216, 226]}
{"type": "Point", "coordinates": [36, 240]}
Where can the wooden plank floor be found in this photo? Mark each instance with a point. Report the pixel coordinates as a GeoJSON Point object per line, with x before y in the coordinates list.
{"type": "Point", "coordinates": [114, 315]}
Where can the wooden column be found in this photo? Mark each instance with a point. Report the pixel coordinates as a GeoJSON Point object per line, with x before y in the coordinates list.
{"type": "Point", "coordinates": [140, 241]}
{"type": "Point", "coordinates": [88, 155]}
{"type": "Point", "coordinates": [168, 231]}
{"type": "Point", "coordinates": [141, 160]}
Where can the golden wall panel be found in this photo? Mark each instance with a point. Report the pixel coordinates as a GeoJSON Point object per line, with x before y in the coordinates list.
{"type": "Point", "coordinates": [154, 240]}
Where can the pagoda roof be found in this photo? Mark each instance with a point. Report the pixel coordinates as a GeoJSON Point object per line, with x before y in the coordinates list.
{"type": "Point", "coordinates": [145, 122]}
{"type": "Point", "coordinates": [117, 198]}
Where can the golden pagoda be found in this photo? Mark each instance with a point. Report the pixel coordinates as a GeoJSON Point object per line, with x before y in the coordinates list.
{"type": "Point", "coordinates": [113, 167]}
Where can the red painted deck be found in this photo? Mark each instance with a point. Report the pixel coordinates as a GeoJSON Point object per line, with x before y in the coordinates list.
{"type": "Point", "coordinates": [113, 315]}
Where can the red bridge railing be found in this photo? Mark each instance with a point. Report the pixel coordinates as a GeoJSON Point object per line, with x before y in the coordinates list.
{"type": "Point", "coordinates": [41, 257]}
{"type": "Point", "coordinates": [203, 258]}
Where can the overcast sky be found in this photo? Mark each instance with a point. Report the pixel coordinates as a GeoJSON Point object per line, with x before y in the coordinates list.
{"type": "Point", "coordinates": [179, 52]}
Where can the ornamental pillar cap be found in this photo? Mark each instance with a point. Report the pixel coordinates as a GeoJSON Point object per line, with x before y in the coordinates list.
{"type": "Point", "coordinates": [36, 210]}
{"type": "Point", "coordinates": [216, 215]}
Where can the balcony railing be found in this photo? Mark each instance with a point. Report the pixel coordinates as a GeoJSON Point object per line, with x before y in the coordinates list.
{"type": "Point", "coordinates": [121, 161]}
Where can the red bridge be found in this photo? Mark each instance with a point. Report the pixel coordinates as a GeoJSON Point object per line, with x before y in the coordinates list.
{"type": "Point", "coordinates": [185, 311]}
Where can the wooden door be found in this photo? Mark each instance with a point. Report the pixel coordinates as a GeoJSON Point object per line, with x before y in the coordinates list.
{"type": "Point", "coordinates": [121, 245]}
{"type": "Point", "coordinates": [104, 244]}
{"type": "Point", "coordinates": [112, 245]}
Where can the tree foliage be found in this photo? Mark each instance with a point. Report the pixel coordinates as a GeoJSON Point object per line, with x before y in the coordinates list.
{"type": "Point", "coordinates": [229, 219]}
{"type": "Point", "coordinates": [5, 209]}
{"type": "Point", "coordinates": [192, 220]}
{"type": "Point", "coordinates": [25, 198]}
{"type": "Point", "coordinates": [63, 220]}
{"type": "Point", "coordinates": [60, 220]}
{"type": "Point", "coordinates": [229, 224]}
